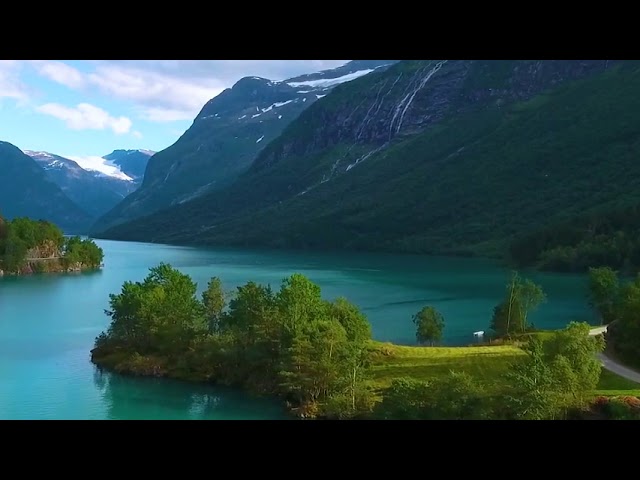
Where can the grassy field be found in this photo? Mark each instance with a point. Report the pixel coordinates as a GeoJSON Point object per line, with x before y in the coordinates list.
{"type": "Point", "coordinates": [488, 363]}
{"type": "Point", "coordinates": [613, 385]}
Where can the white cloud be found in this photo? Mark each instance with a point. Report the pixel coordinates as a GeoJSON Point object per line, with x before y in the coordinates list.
{"type": "Point", "coordinates": [85, 116]}
{"type": "Point", "coordinates": [172, 90]}
{"type": "Point", "coordinates": [10, 84]}
{"type": "Point", "coordinates": [61, 73]}
{"type": "Point", "coordinates": [159, 97]}
{"type": "Point", "coordinates": [99, 164]}
{"type": "Point", "coordinates": [136, 134]}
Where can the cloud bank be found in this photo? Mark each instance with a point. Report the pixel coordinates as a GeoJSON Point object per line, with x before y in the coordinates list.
{"type": "Point", "coordinates": [85, 116]}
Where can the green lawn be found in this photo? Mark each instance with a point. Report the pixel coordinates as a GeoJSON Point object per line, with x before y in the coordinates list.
{"type": "Point", "coordinates": [488, 363]}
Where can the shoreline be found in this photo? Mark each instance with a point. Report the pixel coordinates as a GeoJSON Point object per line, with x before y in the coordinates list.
{"type": "Point", "coordinates": [112, 363]}
{"type": "Point", "coordinates": [132, 365]}
{"type": "Point", "coordinates": [57, 268]}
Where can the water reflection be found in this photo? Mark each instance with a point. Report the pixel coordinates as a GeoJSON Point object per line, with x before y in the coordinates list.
{"type": "Point", "coordinates": [161, 399]}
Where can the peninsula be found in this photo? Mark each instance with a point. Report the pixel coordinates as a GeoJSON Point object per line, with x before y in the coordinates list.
{"type": "Point", "coordinates": [36, 246]}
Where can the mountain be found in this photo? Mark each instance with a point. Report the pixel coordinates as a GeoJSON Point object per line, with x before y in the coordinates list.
{"type": "Point", "coordinates": [25, 191]}
{"type": "Point", "coordinates": [438, 157]}
{"type": "Point", "coordinates": [131, 162]}
{"type": "Point", "coordinates": [96, 193]}
{"type": "Point", "coordinates": [227, 135]}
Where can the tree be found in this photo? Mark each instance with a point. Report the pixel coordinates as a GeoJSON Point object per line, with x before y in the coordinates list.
{"type": "Point", "coordinates": [254, 329]}
{"type": "Point", "coordinates": [247, 309]}
{"type": "Point", "coordinates": [530, 296]}
{"type": "Point", "coordinates": [511, 314]}
{"type": "Point", "coordinates": [300, 302]}
{"type": "Point", "coordinates": [531, 394]}
{"type": "Point", "coordinates": [603, 293]}
{"type": "Point", "coordinates": [161, 313]}
{"type": "Point", "coordinates": [557, 374]}
{"type": "Point", "coordinates": [579, 351]}
{"type": "Point", "coordinates": [404, 399]}
{"type": "Point", "coordinates": [429, 325]}
{"type": "Point", "coordinates": [312, 370]}
{"type": "Point", "coordinates": [214, 303]}
{"type": "Point", "coordinates": [351, 318]}
{"type": "Point", "coordinates": [624, 334]}
{"type": "Point", "coordinates": [84, 252]}
{"type": "Point", "coordinates": [355, 357]}
{"type": "Point", "coordinates": [455, 396]}
{"type": "Point", "coordinates": [4, 229]}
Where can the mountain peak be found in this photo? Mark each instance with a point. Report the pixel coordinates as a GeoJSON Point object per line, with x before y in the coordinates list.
{"type": "Point", "coordinates": [122, 151]}
{"type": "Point", "coordinates": [228, 133]}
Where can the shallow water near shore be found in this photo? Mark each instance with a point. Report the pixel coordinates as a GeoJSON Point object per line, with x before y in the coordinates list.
{"type": "Point", "coordinates": [48, 322]}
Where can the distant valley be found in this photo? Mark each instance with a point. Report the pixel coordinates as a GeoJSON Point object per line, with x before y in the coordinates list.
{"type": "Point", "coordinates": [49, 186]}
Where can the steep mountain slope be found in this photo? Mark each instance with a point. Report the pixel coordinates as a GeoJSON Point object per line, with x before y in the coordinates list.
{"type": "Point", "coordinates": [132, 162]}
{"type": "Point", "coordinates": [25, 191]}
{"type": "Point", "coordinates": [430, 157]}
{"type": "Point", "coordinates": [92, 191]}
{"type": "Point", "coordinates": [226, 136]}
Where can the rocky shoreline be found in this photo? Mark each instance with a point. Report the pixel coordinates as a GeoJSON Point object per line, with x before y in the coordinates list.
{"type": "Point", "coordinates": [48, 265]}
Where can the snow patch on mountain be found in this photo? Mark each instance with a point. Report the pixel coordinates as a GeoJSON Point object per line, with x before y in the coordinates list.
{"type": "Point", "coordinates": [33, 153]}
{"type": "Point", "coordinates": [100, 165]}
{"type": "Point", "coordinates": [329, 82]}
{"type": "Point", "coordinates": [275, 105]}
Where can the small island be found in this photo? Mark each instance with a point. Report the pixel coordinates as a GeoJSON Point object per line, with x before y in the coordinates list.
{"type": "Point", "coordinates": [319, 358]}
{"type": "Point", "coordinates": [36, 246]}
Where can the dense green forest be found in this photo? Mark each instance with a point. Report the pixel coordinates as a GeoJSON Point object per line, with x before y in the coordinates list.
{"type": "Point", "coordinates": [28, 246]}
{"type": "Point", "coordinates": [608, 236]}
{"type": "Point", "coordinates": [319, 358]}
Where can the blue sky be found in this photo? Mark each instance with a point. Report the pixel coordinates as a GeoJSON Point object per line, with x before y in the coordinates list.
{"type": "Point", "coordinates": [84, 109]}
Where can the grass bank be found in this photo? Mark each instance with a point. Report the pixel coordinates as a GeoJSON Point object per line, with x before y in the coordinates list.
{"type": "Point", "coordinates": [388, 362]}
{"type": "Point", "coordinates": [486, 363]}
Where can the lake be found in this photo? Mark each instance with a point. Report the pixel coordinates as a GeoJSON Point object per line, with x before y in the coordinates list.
{"type": "Point", "coordinates": [48, 323]}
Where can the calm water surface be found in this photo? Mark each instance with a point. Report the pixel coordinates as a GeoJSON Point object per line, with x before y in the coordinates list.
{"type": "Point", "coordinates": [48, 323]}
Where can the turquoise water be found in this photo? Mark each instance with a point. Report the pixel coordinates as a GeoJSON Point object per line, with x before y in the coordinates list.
{"type": "Point", "coordinates": [48, 323]}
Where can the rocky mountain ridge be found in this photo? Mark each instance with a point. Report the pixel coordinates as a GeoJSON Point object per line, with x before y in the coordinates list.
{"type": "Point", "coordinates": [227, 135]}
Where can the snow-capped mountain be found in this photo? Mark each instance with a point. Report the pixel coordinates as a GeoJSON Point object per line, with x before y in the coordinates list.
{"type": "Point", "coordinates": [94, 190]}
{"type": "Point", "coordinates": [345, 73]}
{"type": "Point", "coordinates": [132, 163]}
{"type": "Point", "coordinates": [27, 191]}
{"type": "Point", "coordinates": [228, 134]}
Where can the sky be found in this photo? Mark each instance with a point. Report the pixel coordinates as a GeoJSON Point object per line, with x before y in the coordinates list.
{"type": "Point", "coordinates": [84, 109]}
